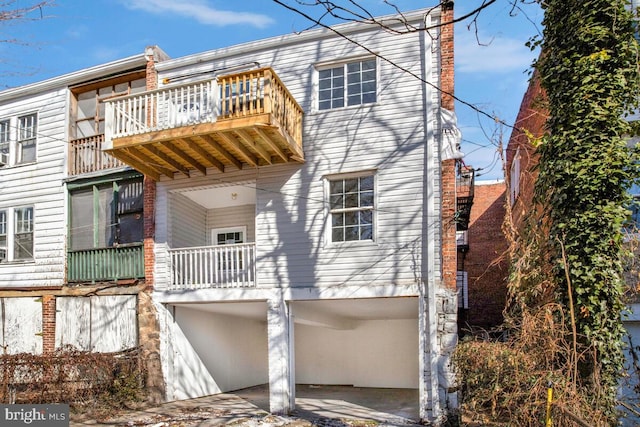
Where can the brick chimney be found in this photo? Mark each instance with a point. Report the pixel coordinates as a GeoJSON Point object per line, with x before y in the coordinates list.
{"type": "Point", "coordinates": [448, 167]}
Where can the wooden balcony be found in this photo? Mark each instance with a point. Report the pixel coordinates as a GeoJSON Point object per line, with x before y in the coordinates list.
{"type": "Point", "coordinates": [106, 264]}
{"type": "Point", "coordinates": [86, 155]}
{"type": "Point", "coordinates": [221, 266]}
{"type": "Point", "coordinates": [244, 119]}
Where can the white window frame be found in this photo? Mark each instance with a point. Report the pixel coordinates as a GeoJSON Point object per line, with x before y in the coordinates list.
{"type": "Point", "coordinates": [514, 177]}
{"type": "Point", "coordinates": [331, 211]}
{"type": "Point", "coordinates": [15, 133]}
{"type": "Point", "coordinates": [4, 233]}
{"type": "Point", "coordinates": [237, 229]}
{"type": "Point", "coordinates": [12, 230]}
{"type": "Point", "coordinates": [5, 142]}
{"type": "Point", "coordinates": [344, 64]}
{"type": "Point", "coordinates": [225, 260]}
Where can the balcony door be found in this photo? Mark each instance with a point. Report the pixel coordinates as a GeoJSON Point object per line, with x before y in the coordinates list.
{"type": "Point", "coordinates": [229, 259]}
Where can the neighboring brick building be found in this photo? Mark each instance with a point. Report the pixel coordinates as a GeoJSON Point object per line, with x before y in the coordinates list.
{"type": "Point", "coordinates": [485, 259]}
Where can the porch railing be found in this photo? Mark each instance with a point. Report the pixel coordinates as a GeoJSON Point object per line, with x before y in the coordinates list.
{"type": "Point", "coordinates": [106, 264]}
{"type": "Point", "coordinates": [230, 96]}
{"type": "Point", "coordinates": [86, 156]}
{"type": "Point", "coordinates": [223, 266]}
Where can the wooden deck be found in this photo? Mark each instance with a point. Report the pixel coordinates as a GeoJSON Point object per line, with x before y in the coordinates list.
{"type": "Point", "coordinates": [245, 119]}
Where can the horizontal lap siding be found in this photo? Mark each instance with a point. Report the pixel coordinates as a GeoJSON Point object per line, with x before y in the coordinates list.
{"type": "Point", "coordinates": [382, 137]}
{"type": "Point", "coordinates": [389, 136]}
{"type": "Point", "coordinates": [235, 216]}
{"type": "Point", "coordinates": [188, 222]}
{"type": "Point", "coordinates": [39, 185]}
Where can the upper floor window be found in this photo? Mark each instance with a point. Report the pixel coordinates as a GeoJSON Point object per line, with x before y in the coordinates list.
{"type": "Point", "coordinates": [18, 137]}
{"type": "Point", "coordinates": [89, 114]}
{"type": "Point", "coordinates": [26, 142]}
{"type": "Point", "coordinates": [352, 83]}
{"type": "Point", "coordinates": [5, 140]}
{"type": "Point", "coordinates": [106, 214]}
{"type": "Point", "coordinates": [16, 237]}
{"type": "Point", "coordinates": [351, 206]}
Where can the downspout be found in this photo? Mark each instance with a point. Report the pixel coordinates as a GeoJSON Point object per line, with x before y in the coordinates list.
{"type": "Point", "coordinates": [430, 411]}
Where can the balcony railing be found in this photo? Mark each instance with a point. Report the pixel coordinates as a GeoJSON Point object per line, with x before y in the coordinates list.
{"type": "Point", "coordinates": [223, 266]}
{"type": "Point", "coordinates": [106, 264]}
{"type": "Point", "coordinates": [465, 185]}
{"type": "Point", "coordinates": [244, 118]}
{"type": "Point", "coordinates": [86, 156]}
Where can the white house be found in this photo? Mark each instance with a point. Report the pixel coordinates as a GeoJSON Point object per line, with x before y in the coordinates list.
{"type": "Point", "coordinates": [281, 211]}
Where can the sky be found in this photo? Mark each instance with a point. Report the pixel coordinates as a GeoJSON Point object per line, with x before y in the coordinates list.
{"type": "Point", "coordinates": [492, 62]}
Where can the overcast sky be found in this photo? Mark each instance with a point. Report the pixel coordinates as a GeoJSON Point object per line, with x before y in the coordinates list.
{"type": "Point", "coordinates": [492, 61]}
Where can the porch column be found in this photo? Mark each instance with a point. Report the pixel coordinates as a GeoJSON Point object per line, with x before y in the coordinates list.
{"type": "Point", "coordinates": [279, 344]}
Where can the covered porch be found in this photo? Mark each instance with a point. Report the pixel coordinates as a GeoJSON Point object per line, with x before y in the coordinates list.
{"type": "Point", "coordinates": [211, 239]}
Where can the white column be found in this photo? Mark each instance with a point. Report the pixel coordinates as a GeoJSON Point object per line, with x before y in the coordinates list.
{"type": "Point", "coordinates": [280, 390]}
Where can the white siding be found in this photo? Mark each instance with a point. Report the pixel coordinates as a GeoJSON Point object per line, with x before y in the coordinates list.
{"type": "Point", "coordinates": [188, 221]}
{"type": "Point", "coordinates": [39, 185]}
{"type": "Point", "coordinates": [244, 215]}
{"type": "Point", "coordinates": [389, 137]}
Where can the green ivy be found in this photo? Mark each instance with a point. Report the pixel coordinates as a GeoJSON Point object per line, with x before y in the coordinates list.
{"type": "Point", "coordinates": [589, 70]}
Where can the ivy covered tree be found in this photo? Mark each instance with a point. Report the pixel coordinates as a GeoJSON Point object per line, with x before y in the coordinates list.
{"type": "Point", "coordinates": [589, 70]}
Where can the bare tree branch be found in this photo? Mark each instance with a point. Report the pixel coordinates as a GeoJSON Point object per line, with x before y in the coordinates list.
{"type": "Point", "coordinates": [318, 22]}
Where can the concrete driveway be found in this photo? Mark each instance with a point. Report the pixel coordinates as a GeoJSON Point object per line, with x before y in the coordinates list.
{"type": "Point", "coordinates": [330, 406]}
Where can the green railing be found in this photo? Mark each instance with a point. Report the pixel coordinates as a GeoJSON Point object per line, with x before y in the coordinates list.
{"type": "Point", "coordinates": [106, 264]}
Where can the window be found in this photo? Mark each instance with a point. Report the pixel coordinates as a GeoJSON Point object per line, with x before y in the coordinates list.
{"type": "Point", "coordinates": [23, 237]}
{"type": "Point", "coordinates": [231, 259]}
{"type": "Point", "coordinates": [359, 86]}
{"type": "Point", "coordinates": [89, 114]}
{"type": "Point", "coordinates": [18, 139]}
{"type": "Point", "coordinates": [514, 175]}
{"type": "Point", "coordinates": [3, 236]}
{"type": "Point", "coordinates": [5, 140]}
{"type": "Point", "coordinates": [26, 143]}
{"type": "Point", "coordinates": [633, 224]}
{"type": "Point", "coordinates": [351, 204]}
{"type": "Point", "coordinates": [16, 235]}
{"type": "Point", "coordinates": [106, 214]}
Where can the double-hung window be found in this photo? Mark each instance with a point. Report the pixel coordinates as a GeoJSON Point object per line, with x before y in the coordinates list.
{"type": "Point", "coordinates": [16, 234]}
{"type": "Point", "coordinates": [23, 234]}
{"type": "Point", "coordinates": [351, 208]}
{"type": "Point", "coordinates": [352, 83]}
{"type": "Point", "coordinates": [26, 142]}
{"type": "Point", "coordinates": [18, 137]}
{"type": "Point", "coordinates": [3, 235]}
{"type": "Point", "coordinates": [5, 141]}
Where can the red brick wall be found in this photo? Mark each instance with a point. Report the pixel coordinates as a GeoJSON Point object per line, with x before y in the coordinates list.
{"type": "Point", "coordinates": [486, 262]}
{"type": "Point", "coordinates": [48, 324]}
{"type": "Point", "coordinates": [448, 171]}
{"type": "Point", "coordinates": [446, 56]}
{"type": "Point", "coordinates": [449, 247]}
{"type": "Point", "coordinates": [149, 229]}
{"type": "Point", "coordinates": [530, 122]}
{"type": "Point", "coordinates": [150, 191]}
